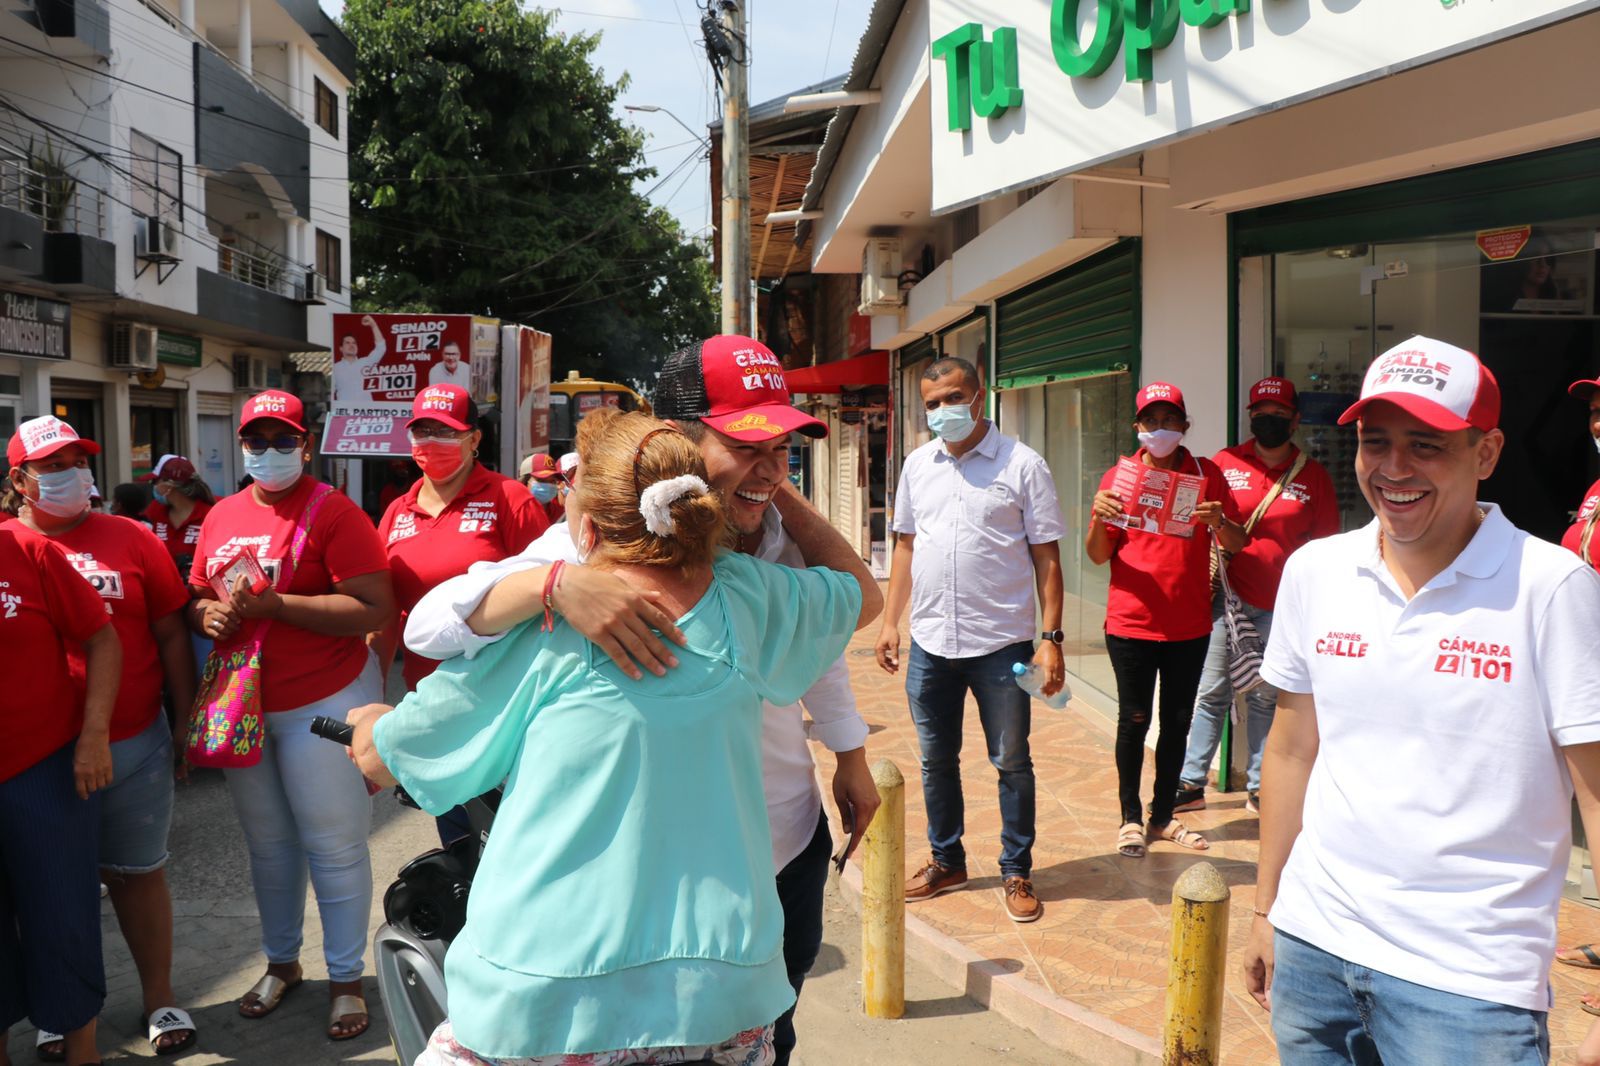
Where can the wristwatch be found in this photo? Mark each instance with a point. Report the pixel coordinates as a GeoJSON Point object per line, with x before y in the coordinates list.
{"type": "Point", "coordinates": [1054, 636]}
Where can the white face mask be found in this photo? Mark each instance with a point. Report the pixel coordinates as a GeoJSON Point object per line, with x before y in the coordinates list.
{"type": "Point", "coordinates": [64, 493]}
{"type": "Point", "coordinates": [273, 470]}
{"type": "Point", "coordinates": [1597, 444]}
{"type": "Point", "coordinates": [1161, 442]}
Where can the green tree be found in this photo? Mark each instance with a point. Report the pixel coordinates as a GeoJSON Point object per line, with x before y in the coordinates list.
{"type": "Point", "coordinates": [490, 175]}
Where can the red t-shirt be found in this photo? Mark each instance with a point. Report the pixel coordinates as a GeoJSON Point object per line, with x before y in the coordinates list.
{"type": "Point", "coordinates": [122, 561]}
{"type": "Point", "coordinates": [179, 541]}
{"type": "Point", "coordinates": [46, 611]}
{"type": "Point", "coordinates": [1161, 585]}
{"type": "Point", "coordinates": [1306, 509]}
{"type": "Point", "coordinates": [490, 518]}
{"type": "Point", "coordinates": [298, 666]}
{"type": "Point", "coordinates": [1574, 534]}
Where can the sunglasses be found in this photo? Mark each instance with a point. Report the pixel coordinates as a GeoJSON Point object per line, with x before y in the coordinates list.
{"type": "Point", "coordinates": [286, 443]}
{"type": "Point", "coordinates": [421, 433]}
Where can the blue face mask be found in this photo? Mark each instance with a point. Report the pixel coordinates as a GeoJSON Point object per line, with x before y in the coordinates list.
{"type": "Point", "coordinates": [543, 491]}
{"type": "Point", "coordinates": [160, 496]}
{"type": "Point", "coordinates": [273, 470]}
{"type": "Point", "coordinates": [952, 422]}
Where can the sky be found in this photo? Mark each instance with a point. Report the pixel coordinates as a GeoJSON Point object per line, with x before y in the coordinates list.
{"type": "Point", "coordinates": [657, 43]}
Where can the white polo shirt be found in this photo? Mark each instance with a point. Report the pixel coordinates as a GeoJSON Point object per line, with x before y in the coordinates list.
{"type": "Point", "coordinates": [437, 628]}
{"type": "Point", "coordinates": [972, 579]}
{"type": "Point", "coordinates": [1438, 813]}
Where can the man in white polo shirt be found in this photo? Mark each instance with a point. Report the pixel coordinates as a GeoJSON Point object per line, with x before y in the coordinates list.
{"type": "Point", "coordinates": [978, 527]}
{"type": "Point", "coordinates": [1439, 702]}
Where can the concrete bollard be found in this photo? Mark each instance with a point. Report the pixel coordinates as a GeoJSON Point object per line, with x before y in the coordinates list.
{"type": "Point", "coordinates": [1193, 1033]}
{"type": "Point", "coordinates": [883, 899]}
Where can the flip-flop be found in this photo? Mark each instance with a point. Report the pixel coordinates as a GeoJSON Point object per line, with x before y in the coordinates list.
{"type": "Point", "coordinates": [1587, 1008]}
{"type": "Point", "coordinates": [58, 1055]}
{"type": "Point", "coordinates": [341, 1006]}
{"type": "Point", "coordinates": [166, 1020]}
{"type": "Point", "coordinates": [1590, 962]}
{"type": "Point", "coordinates": [269, 992]}
{"type": "Point", "coordinates": [1130, 840]}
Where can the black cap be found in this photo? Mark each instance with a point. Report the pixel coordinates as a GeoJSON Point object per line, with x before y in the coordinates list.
{"type": "Point", "coordinates": [681, 386]}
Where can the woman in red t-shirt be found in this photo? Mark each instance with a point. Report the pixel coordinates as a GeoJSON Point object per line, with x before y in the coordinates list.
{"type": "Point", "coordinates": [303, 806]}
{"type": "Point", "coordinates": [458, 513]}
{"type": "Point", "coordinates": [124, 563]}
{"type": "Point", "coordinates": [1158, 615]}
{"type": "Point", "coordinates": [55, 754]}
{"type": "Point", "coordinates": [182, 501]}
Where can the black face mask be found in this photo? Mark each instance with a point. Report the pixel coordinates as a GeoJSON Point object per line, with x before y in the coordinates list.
{"type": "Point", "coordinates": [1272, 431]}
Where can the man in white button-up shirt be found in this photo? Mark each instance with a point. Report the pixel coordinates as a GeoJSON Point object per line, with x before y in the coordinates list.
{"type": "Point", "coordinates": [978, 528]}
{"type": "Point", "coordinates": [1438, 704]}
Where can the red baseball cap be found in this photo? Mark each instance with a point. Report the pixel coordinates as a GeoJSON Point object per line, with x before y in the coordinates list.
{"type": "Point", "coordinates": [276, 404]}
{"type": "Point", "coordinates": [1276, 390]}
{"type": "Point", "coordinates": [1159, 392]}
{"type": "Point", "coordinates": [171, 468]}
{"type": "Point", "coordinates": [449, 404]}
{"type": "Point", "coordinates": [540, 466]}
{"type": "Point", "coordinates": [1438, 384]}
{"type": "Point", "coordinates": [1584, 390]}
{"type": "Point", "coordinates": [40, 437]}
{"type": "Point", "coordinates": [734, 385]}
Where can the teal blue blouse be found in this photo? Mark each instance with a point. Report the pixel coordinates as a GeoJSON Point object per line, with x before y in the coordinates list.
{"type": "Point", "coordinates": [626, 896]}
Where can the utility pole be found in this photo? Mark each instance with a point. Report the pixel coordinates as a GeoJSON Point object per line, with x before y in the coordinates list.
{"type": "Point", "coordinates": [736, 311]}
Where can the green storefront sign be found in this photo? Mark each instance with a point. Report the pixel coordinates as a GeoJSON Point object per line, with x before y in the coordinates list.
{"type": "Point", "coordinates": [982, 75]}
{"type": "Point", "coordinates": [178, 349]}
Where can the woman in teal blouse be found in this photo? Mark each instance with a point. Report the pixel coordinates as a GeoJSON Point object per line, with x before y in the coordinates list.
{"type": "Point", "coordinates": [625, 909]}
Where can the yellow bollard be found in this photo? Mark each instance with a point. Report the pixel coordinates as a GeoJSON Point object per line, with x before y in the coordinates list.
{"type": "Point", "coordinates": [1199, 955]}
{"type": "Point", "coordinates": [883, 899]}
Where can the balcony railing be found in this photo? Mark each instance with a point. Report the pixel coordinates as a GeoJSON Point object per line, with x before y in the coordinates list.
{"type": "Point", "coordinates": [64, 204]}
{"type": "Point", "coordinates": [263, 269]}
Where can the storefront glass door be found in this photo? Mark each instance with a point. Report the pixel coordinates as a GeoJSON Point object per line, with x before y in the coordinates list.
{"type": "Point", "coordinates": [1080, 427]}
{"type": "Point", "coordinates": [1530, 314]}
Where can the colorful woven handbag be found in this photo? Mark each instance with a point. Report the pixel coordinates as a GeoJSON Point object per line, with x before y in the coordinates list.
{"type": "Point", "coordinates": [227, 728]}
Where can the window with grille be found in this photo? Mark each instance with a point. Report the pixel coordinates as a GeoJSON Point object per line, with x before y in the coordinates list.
{"type": "Point", "coordinates": [327, 108]}
{"type": "Point", "coordinates": [157, 178]}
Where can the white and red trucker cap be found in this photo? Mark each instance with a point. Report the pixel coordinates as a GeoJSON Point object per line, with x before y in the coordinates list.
{"type": "Point", "coordinates": [1442, 386]}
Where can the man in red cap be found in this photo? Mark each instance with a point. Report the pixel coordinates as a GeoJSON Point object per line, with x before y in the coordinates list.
{"type": "Point", "coordinates": [727, 394]}
{"type": "Point", "coordinates": [977, 549]}
{"type": "Point", "coordinates": [543, 479]}
{"type": "Point", "coordinates": [1290, 500]}
{"type": "Point", "coordinates": [1405, 907]}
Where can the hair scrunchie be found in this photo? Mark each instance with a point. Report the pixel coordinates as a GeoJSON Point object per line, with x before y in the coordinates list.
{"type": "Point", "coordinates": [655, 502]}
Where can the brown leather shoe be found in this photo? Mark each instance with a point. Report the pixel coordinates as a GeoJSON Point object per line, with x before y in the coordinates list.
{"type": "Point", "coordinates": [1021, 904]}
{"type": "Point", "coordinates": [933, 879]}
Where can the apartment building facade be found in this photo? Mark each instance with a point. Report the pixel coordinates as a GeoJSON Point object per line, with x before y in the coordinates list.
{"type": "Point", "coordinates": [174, 216]}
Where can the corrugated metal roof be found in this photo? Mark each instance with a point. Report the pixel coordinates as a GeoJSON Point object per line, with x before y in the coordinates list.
{"type": "Point", "coordinates": [863, 68]}
{"type": "Point", "coordinates": [312, 362]}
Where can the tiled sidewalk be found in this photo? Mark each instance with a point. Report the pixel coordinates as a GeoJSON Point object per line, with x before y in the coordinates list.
{"type": "Point", "coordinates": [1103, 940]}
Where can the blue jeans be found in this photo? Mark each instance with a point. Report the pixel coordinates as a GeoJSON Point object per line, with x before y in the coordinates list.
{"type": "Point", "coordinates": [50, 964]}
{"type": "Point", "coordinates": [1327, 1011]}
{"type": "Point", "coordinates": [1215, 701]}
{"type": "Point", "coordinates": [304, 807]}
{"type": "Point", "coordinates": [936, 689]}
{"type": "Point", "coordinates": [136, 811]}
{"type": "Point", "coordinates": [800, 886]}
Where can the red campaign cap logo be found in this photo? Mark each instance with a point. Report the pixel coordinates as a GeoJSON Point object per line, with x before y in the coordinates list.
{"type": "Point", "coordinates": [38, 432]}
{"type": "Point", "coordinates": [436, 399]}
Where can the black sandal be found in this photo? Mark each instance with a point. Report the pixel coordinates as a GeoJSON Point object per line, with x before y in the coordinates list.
{"type": "Point", "coordinates": [1590, 962]}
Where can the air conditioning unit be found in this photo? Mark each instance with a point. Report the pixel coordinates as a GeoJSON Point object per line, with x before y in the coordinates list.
{"type": "Point", "coordinates": [249, 372]}
{"type": "Point", "coordinates": [132, 347]}
{"type": "Point", "coordinates": [156, 240]}
{"type": "Point", "coordinates": [313, 290]}
{"type": "Point", "coordinates": [880, 277]}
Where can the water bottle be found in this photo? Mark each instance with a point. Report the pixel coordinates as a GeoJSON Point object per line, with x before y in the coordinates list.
{"type": "Point", "coordinates": [1031, 679]}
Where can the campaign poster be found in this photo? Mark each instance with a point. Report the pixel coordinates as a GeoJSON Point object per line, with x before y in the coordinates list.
{"type": "Point", "coordinates": [533, 389]}
{"type": "Point", "coordinates": [485, 361]}
{"type": "Point", "coordinates": [379, 364]}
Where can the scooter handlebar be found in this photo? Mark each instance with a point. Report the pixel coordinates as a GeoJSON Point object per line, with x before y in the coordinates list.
{"type": "Point", "coordinates": [333, 729]}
